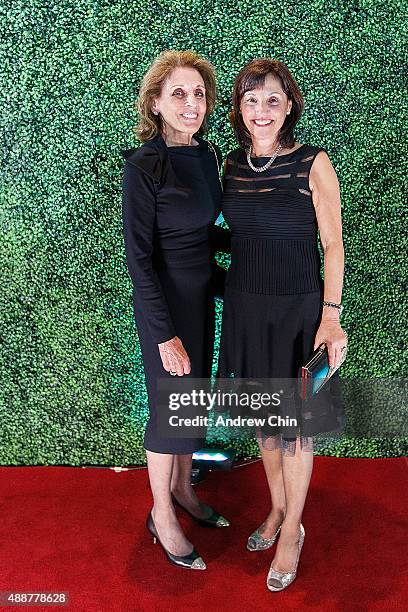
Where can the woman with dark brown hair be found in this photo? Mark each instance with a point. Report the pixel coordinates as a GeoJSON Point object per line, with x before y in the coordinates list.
{"type": "Point", "coordinates": [277, 194]}
{"type": "Point", "coordinates": [171, 198]}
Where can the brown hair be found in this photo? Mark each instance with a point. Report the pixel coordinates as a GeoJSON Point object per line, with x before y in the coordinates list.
{"type": "Point", "coordinates": [149, 124]}
{"type": "Point", "coordinates": [252, 76]}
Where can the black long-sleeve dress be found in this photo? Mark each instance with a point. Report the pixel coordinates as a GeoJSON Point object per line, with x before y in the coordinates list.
{"type": "Point", "coordinates": [171, 199]}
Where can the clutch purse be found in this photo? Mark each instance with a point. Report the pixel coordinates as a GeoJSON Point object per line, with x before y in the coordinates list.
{"type": "Point", "coordinates": [315, 373]}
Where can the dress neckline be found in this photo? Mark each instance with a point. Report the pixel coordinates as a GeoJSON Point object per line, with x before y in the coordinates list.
{"type": "Point", "coordinates": [200, 145]}
{"type": "Point", "coordinates": [279, 156]}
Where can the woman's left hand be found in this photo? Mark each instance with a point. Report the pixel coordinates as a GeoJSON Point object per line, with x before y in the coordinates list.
{"type": "Point", "coordinates": [331, 334]}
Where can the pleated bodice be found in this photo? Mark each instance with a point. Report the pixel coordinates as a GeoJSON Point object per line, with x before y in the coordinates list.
{"type": "Point", "coordinates": [273, 224]}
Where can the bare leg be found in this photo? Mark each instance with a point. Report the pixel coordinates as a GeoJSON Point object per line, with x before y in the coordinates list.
{"type": "Point", "coordinates": [160, 467]}
{"type": "Point", "coordinates": [272, 462]}
{"type": "Point", "coordinates": [183, 490]}
{"type": "Point", "coordinates": [297, 471]}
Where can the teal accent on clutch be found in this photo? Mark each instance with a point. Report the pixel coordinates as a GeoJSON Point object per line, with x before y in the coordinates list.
{"type": "Point", "coordinates": [319, 378]}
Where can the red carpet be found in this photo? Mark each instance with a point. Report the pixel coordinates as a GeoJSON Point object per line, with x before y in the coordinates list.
{"type": "Point", "coordinates": [82, 531]}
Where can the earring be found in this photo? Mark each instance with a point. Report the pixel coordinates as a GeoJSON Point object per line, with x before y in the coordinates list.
{"type": "Point", "coordinates": [155, 112]}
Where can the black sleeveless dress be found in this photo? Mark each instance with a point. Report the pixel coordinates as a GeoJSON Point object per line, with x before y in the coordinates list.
{"type": "Point", "coordinates": [274, 290]}
{"type": "Point", "coordinates": [171, 198]}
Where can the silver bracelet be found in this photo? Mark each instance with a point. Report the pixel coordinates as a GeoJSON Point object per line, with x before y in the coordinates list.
{"type": "Point", "coordinates": [338, 307]}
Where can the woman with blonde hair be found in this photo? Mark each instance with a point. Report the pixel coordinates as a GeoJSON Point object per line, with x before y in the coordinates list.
{"type": "Point", "coordinates": [171, 198]}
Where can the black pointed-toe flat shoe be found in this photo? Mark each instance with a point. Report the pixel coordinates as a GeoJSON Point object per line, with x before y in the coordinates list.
{"type": "Point", "coordinates": [191, 561]}
{"type": "Point", "coordinates": [214, 520]}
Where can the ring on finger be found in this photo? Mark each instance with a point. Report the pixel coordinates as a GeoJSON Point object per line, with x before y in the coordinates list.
{"type": "Point", "coordinates": [172, 373]}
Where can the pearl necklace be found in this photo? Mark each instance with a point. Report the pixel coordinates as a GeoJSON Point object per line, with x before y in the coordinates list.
{"type": "Point", "coordinates": [268, 163]}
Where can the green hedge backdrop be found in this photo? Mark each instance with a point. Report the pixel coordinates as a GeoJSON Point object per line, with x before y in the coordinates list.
{"type": "Point", "coordinates": [72, 389]}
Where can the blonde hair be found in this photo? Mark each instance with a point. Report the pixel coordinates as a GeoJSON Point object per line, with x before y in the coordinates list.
{"type": "Point", "coordinates": [151, 86]}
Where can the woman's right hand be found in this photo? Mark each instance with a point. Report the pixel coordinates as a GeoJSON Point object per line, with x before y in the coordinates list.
{"type": "Point", "coordinates": [174, 356]}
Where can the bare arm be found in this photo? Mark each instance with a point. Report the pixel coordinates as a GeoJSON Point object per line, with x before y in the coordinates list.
{"type": "Point", "coordinates": [326, 200]}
